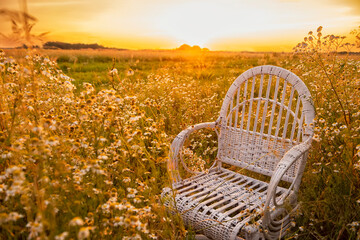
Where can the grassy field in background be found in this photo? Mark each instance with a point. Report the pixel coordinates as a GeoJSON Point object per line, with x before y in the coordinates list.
{"type": "Point", "coordinates": [94, 65]}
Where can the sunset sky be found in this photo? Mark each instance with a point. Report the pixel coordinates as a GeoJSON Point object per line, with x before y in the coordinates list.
{"type": "Point", "coordinates": [240, 25]}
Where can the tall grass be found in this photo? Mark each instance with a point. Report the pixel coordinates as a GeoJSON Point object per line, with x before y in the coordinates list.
{"type": "Point", "coordinates": [331, 199]}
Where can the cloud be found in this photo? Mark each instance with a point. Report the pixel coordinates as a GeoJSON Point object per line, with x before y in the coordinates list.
{"type": "Point", "coordinates": [345, 8]}
{"type": "Point", "coordinates": [55, 3]}
{"type": "Point", "coordinates": [354, 5]}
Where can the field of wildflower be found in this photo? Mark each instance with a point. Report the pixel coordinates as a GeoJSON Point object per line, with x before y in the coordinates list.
{"type": "Point", "coordinates": [85, 135]}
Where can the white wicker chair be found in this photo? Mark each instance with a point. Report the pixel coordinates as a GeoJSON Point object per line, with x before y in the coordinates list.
{"type": "Point", "coordinates": [266, 127]}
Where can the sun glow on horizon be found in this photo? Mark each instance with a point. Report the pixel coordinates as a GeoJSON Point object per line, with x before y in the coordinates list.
{"type": "Point", "coordinates": [215, 24]}
{"type": "Point", "coordinates": [218, 24]}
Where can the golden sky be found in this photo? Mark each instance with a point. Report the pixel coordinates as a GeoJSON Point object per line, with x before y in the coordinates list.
{"type": "Point", "coordinates": [245, 25]}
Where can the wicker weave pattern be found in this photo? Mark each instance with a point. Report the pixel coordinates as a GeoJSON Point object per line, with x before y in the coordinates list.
{"type": "Point", "coordinates": [263, 116]}
{"type": "Point", "coordinates": [221, 203]}
{"type": "Point", "coordinates": [266, 126]}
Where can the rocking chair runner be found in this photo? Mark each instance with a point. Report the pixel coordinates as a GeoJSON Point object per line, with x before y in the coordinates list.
{"type": "Point", "coordinates": [266, 127]}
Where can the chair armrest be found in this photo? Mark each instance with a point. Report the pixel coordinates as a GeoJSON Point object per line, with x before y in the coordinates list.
{"type": "Point", "coordinates": [290, 157]}
{"type": "Point", "coordinates": [176, 146]}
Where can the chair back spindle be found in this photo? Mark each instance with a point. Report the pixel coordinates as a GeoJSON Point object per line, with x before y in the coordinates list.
{"type": "Point", "coordinates": [266, 111]}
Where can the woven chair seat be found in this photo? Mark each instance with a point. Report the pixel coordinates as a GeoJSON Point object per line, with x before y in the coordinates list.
{"type": "Point", "coordinates": [207, 202]}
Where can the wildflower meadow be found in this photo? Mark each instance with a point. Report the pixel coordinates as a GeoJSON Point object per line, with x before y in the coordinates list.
{"type": "Point", "coordinates": [85, 136]}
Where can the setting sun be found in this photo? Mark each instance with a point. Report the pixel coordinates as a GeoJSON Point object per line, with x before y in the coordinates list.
{"type": "Point", "coordinates": [219, 25]}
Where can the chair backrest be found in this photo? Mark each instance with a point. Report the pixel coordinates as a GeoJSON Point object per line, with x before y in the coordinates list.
{"type": "Point", "coordinates": [266, 111]}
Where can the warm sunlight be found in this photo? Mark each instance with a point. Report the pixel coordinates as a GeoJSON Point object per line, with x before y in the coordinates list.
{"type": "Point", "coordinates": [219, 25]}
{"type": "Point", "coordinates": [215, 24]}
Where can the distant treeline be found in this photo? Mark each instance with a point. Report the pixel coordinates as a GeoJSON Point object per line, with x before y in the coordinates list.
{"type": "Point", "coordinates": [64, 45]}
{"type": "Point", "coordinates": [195, 48]}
